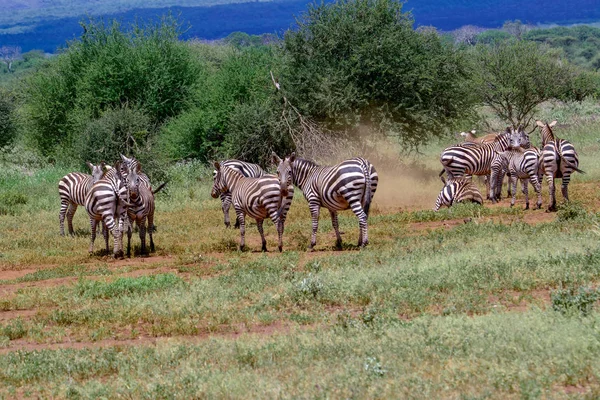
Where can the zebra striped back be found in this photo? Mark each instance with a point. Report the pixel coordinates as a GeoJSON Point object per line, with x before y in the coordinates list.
{"type": "Point", "coordinates": [259, 198]}
{"type": "Point", "coordinates": [349, 184]}
{"type": "Point", "coordinates": [248, 170]}
{"type": "Point", "coordinates": [107, 202]}
{"type": "Point", "coordinates": [458, 190]}
{"type": "Point", "coordinates": [72, 190]}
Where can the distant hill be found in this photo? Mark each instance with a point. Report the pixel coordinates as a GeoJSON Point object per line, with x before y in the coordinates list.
{"type": "Point", "coordinates": [47, 24]}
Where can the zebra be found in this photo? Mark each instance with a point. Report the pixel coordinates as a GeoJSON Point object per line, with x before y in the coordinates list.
{"type": "Point", "coordinates": [72, 189]}
{"type": "Point", "coordinates": [349, 184]}
{"type": "Point", "coordinates": [249, 170]}
{"type": "Point", "coordinates": [141, 199]}
{"type": "Point", "coordinates": [132, 164]}
{"type": "Point", "coordinates": [560, 160]}
{"type": "Point", "coordinates": [107, 201]}
{"type": "Point", "coordinates": [520, 164]}
{"type": "Point", "coordinates": [458, 190]}
{"type": "Point", "coordinates": [467, 159]}
{"type": "Point", "coordinates": [258, 197]}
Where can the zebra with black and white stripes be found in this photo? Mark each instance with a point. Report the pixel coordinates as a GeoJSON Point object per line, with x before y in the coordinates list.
{"type": "Point", "coordinates": [72, 189]}
{"type": "Point", "coordinates": [560, 160]}
{"type": "Point", "coordinates": [107, 202]}
{"type": "Point", "coordinates": [249, 170]}
{"type": "Point", "coordinates": [458, 190]}
{"type": "Point", "coordinates": [467, 159]}
{"type": "Point", "coordinates": [132, 164]}
{"type": "Point", "coordinates": [259, 198]}
{"type": "Point", "coordinates": [522, 165]}
{"type": "Point", "coordinates": [349, 184]}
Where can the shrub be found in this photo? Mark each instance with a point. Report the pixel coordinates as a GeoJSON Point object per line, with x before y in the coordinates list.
{"type": "Point", "coordinates": [8, 124]}
{"type": "Point", "coordinates": [571, 211]}
{"type": "Point", "coordinates": [581, 299]}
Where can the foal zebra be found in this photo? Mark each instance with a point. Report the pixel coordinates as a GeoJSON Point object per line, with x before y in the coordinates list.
{"type": "Point", "coordinates": [72, 189]}
{"type": "Point", "coordinates": [559, 159]}
{"type": "Point", "coordinates": [107, 202]}
{"type": "Point", "coordinates": [519, 164]}
{"type": "Point", "coordinates": [458, 190]}
{"type": "Point", "coordinates": [249, 170]}
{"type": "Point", "coordinates": [349, 184]}
{"type": "Point", "coordinates": [258, 197]}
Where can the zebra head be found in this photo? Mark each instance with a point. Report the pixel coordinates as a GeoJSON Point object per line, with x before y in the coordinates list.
{"type": "Point", "coordinates": [97, 171]}
{"type": "Point", "coordinates": [284, 172]}
{"type": "Point", "coordinates": [219, 185]}
{"type": "Point", "coordinates": [132, 180]}
{"type": "Point", "coordinates": [518, 138]}
{"type": "Point", "coordinates": [546, 131]}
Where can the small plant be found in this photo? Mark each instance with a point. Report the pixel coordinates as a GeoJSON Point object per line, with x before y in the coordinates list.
{"type": "Point", "coordinates": [310, 286]}
{"type": "Point", "coordinates": [373, 367]}
{"type": "Point", "coordinates": [314, 266]}
{"type": "Point", "coordinates": [571, 211]}
{"type": "Point", "coordinates": [582, 299]}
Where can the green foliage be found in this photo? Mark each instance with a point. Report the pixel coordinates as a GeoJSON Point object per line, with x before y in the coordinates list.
{"type": "Point", "coordinates": [127, 286]}
{"type": "Point", "coordinates": [581, 299]}
{"type": "Point", "coordinates": [10, 200]}
{"type": "Point", "coordinates": [108, 68]}
{"type": "Point", "coordinates": [514, 77]}
{"type": "Point", "coordinates": [8, 123]}
{"type": "Point", "coordinates": [572, 211]}
{"type": "Point", "coordinates": [360, 61]}
{"type": "Point", "coordinates": [492, 36]}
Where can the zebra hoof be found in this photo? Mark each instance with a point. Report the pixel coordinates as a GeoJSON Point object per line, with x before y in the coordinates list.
{"type": "Point", "coordinates": [526, 207]}
{"type": "Point", "coordinates": [280, 249]}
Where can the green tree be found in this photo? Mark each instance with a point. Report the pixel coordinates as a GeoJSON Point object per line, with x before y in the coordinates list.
{"type": "Point", "coordinates": [144, 67]}
{"type": "Point", "coordinates": [361, 61]}
{"type": "Point", "coordinates": [514, 77]}
{"type": "Point", "coordinates": [8, 125]}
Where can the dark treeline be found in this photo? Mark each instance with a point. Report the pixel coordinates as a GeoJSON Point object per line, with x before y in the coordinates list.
{"type": "Point", "coordinates": [347, 65]}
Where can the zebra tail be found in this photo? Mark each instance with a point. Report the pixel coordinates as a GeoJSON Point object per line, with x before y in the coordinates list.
{"type": "Point", "coordinates": [569, 163]}
{"type": "Point", "coordinates": [367, 194]}
{"type": "Point", "coordinates": [160, 187]}
{"type": "Point", "coordinates": [441, 175]}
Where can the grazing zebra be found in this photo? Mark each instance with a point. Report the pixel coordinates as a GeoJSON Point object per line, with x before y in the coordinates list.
{"type": "Point", "coordinates": [349, 184]}
{"type": "Point", "coordinates": [258, 197]}
{"type": "Point", "coordinates": [72, 189]}
{"type": "Point", "coordinates": [458, 190]}
{"type": "Point", "coordinates": [248, 170]}
{"type": "Point", "coordinates": [467, 159]}
{"type": "Point", "coordinates": [107, 202]}
{"type": "Point", "coordinates": [559, 159]}
{"type": "Point", "coordinates": [519, 164]}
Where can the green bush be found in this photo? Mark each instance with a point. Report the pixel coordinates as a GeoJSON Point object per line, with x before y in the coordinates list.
{"type": "Point", "coordinates": [581, 299]}
{"type": "Point", "coordinates": [361, 61]}
{"type": "Point", "coordinates": [8, 124]}
{"type": "Point", "coordinates": [145, 67]}
{"type": "Point", "coordinates": [571, 211]}
{"type": "Point", "coordinates": [9, 202]}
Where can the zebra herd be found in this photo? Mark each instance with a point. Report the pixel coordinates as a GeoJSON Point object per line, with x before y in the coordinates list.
{"type": "Point", "coordinates": [350, 184]}
{"type": "Point", "coordinates": [508, 153]}
{"type": "Point", "coordinates": [115, 197]}
{"type": "Point", "coordinates": [118, 196]}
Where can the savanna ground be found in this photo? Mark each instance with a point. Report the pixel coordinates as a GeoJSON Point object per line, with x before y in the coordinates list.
{"type": "Point", "coordinates": [472, 302]}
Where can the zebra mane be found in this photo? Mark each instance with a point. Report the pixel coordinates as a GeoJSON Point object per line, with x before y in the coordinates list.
{"type": "Point", "coordinates": [307, 162]}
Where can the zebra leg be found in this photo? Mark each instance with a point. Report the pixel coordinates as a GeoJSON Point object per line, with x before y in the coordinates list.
{"type": "Point", "coordinates": [225, 204]}
{"type": "Point", "coordinates": [336, 228]}
{"type": "Point", "coordinates": [537, 186]}
{"type": "Point", "coordinates": [129, 233]}
{"type": "Point", "coordinates": [565, 185]}
{"type": "Point", "coordinates": [551, 191]}
{"type": "Point", "coordinates": [93, 225]}
{"type": "Point", "coordinates": [525, 190]}
{"type": "Point", "coordinates": [142, 228]}
{"type": "Point", "coordinates": [118, 242]}
{"type": "Point", "coordinates": [70, 214]}
{"type": "Point", "coordinates": [64, 205]}
{"type": "Point", "coordinates": [259, 225]}
{"type": "Point", "coordinates": [151, 223]}
{"type": "Point", "coordinates": [363, 237]}
{"type": "Point", "coordinates": [105, 234]}
{"type": "Point", "coordinates": [242, 218]}
{"type": "Point", "coordinates": [513, 184]}
{"type": "Point", "coordinates": [315, 208]}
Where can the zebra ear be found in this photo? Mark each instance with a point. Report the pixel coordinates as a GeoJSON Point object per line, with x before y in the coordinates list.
{"type": "Point", "coordinates": [292, 156]}
{"type": "Point", "coordinates": [125, 159]}
{"type": "Point", "coordinates": [138, 168]}
{"type": "Point", "coordinates": [539, 123]}
{"type": "Point", "coordinates": [275, 158]}
{"type": "Point", "coordinates": [217, 166]}
{"type": "Point", "coordinates": [102, 165]}
{"type": "Point", "coordinates": [551, 124]}
{"type": "Point", "coordinates": [89, 164]}
{"type": "Point", "coordinates": [508, 129]}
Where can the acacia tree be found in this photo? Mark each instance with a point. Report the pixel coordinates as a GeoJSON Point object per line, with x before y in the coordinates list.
{"type": "Point", "coordinates": [9, 54]}
{"type": "Point", "coordinates": [357, 62]}
{"type": "Point", "coordinates": [515, 77]}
